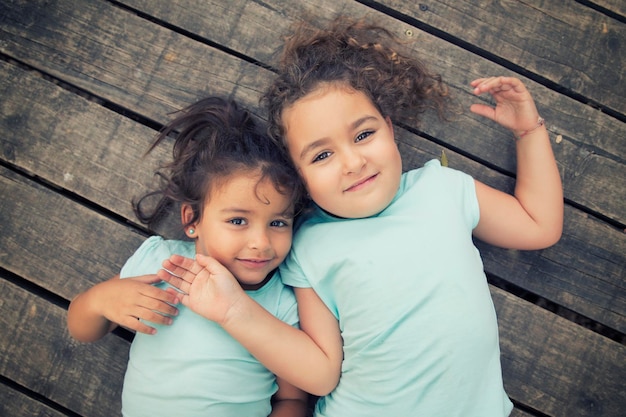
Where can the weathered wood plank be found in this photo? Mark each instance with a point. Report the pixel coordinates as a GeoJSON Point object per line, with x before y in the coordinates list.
{"type": "Point", "coordinates": [87, 149]}
{"type": "Point", "coordinates": [518, 413]}
{"type": "Point", "coordinates": [15, 403]}
{"type": "Point", "coordinates": [37, 352]}
{"type": "Point", "coordinates": [542, 37]}
{"type": "Point", "coordinates": [120, 57]}
{"type": "Point", "coordinates": [590, 255]}
{"type": "Point", "coordinates": [519, 321]}
{"type": "Point", "coordinates": [56, 243]}
{"type": "Point", "coordinates": [66, 247]}
{"type": "Point", "coordinates": [557, 353]}
{"type": "Point", "coordinates": [98, 156]}
{"type": "Point", "coordinates": [616, 6]}
{"type": "Point", "coordinates": [556, 367]}
{"type": "Point", "coordinates": [589, 149]}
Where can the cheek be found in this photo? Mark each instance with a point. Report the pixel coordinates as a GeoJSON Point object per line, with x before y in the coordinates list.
{"type": "Point", "coordinates": [317, 188]}
{"type": "Point", "coordinates": [282, 245]}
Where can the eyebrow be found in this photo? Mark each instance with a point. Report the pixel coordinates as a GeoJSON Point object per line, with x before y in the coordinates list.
{"type": "Point", "coordinates": [318, 143]}
{"type": "Point", "coordinates": [234, 210]}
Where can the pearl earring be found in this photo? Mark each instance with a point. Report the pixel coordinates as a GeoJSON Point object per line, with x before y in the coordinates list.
{"type": "Point", "coordinates": [191, 231]}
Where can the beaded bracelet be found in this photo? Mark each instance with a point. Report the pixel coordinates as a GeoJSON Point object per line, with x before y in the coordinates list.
{"type": "Point", "coordinates": [540, 122]}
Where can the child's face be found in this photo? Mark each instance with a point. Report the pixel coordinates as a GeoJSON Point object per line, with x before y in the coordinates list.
{"type": "Point", "coordinates": [246, 225]}
{"type": "Point", "coordinates": [345, 151]}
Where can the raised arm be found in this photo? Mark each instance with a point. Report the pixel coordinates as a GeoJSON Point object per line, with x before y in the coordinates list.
{"type": "Point", "coordinates": [309, 358]}
{"type": "Point", "coordinates": [532, 218]}
{"type": "Point", "coordinates": [97, 311]}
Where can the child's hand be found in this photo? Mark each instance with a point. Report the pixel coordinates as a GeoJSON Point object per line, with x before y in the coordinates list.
{"type": "Point", "coordinates": [209, 289]}
{"type": "Point", "coordinates": [125, 301]}
{"type": "Point", "coordinates": [515, 108]}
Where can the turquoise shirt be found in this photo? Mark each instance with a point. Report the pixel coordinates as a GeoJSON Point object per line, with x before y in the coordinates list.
{"type": "Point", "coordinates": [414, 308]}
{"type": "Point", "coordinates": [193, 368]}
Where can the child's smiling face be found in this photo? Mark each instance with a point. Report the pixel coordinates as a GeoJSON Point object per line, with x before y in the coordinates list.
{"type": "Point", "coordinates": [246, 225]}
{"type": "Point", "coordinates": [345, 151]}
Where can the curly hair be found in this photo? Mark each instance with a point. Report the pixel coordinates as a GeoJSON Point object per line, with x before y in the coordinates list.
{"type": "Point", "coordinates": [357, 54]}
{"type": "Point", "coordinates": [216, 139]}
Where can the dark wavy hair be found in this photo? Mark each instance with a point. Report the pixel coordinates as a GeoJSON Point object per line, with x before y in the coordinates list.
{"type": "Point", "coordinates": [357, 54]}
{"type": "Point", "coordinates": [215, 139]}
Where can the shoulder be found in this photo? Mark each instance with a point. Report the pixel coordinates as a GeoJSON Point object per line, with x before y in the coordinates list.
{"type": "Point", "coordinates": [435, 178]}
{"type": "Point", "coordinates": [148, 258]}
{"type": "Point", "coordinates": [446, 190]}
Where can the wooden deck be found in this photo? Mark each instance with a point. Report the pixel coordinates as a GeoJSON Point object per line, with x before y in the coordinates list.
{"type": "Point", "coordinates": [84, 84]}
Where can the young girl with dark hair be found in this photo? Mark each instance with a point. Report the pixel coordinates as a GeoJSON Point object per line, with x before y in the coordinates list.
{"type": "Point", "coordinates": [238, 195]}
{"type": "Point", "coordinates": [385, 265]}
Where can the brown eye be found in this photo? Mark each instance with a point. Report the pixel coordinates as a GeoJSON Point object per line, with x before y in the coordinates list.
{"type": "Point", "coordinates": [321, 156]}
{"type": "Point", "coordinates": [363, 135]}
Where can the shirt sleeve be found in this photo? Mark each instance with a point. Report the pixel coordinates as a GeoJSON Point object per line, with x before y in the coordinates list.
{"type": "Point", "coordinates": [291, 273]}
{"type": "Point", "coordinates": [289, 307]}
{"type": "Point", "coordinates": [462, 188]}
{"type": "Point", "coordinates": [147, 259]}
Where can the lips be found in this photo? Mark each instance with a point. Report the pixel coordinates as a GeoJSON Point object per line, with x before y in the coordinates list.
{"type": "Point", "coordinates": [255, 263]}
{"type": "Point", "coordinates": [361, 183]}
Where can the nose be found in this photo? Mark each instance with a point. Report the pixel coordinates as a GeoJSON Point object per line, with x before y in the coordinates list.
{"type": "Point", "coordinates": [259, 239]}
{"type": "Point", "coordinates": [353, 160]}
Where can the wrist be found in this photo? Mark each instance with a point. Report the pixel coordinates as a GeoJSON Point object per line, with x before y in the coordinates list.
{"type": "Point", "coordinates": [240, 311]}
{"type": "Point", "coordinates": [520, 134]}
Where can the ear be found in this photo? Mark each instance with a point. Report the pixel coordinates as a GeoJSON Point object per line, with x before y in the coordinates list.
{"type": "Point", "coordinates": [186, 214]}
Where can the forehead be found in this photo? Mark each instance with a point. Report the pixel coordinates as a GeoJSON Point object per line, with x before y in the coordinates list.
{"type": "Point", "coordinates": [330, 102]}
{"type": "Point", "coordinates": [246, 188]}
{"type": "Point", "coordinates": [324, 111]}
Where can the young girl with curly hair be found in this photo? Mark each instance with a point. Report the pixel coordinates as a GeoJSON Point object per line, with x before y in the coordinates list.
{"type": "Point", "coordinates": [395, 311]}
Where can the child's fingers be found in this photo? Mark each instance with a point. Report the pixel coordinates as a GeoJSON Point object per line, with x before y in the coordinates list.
{"type": "Point", "coordinates": [482, 84]}
{"type": "Point", "coordinates": [176, 294]}
{"type": "Point", "coordinates": [147, 279]}
{"type": "Point", "coordinates": [174, 280]}
{"type": "Point", "coordinates": [185, 263]}
{"type": "Point", "coordinates": [137, 325]}
{"type": "Point", "coordinates": [161, 303]}
{"type": "Point", "coordinates": [478, 81]}
{"type": "Point", "coordinates": [182, 266]}
{"type": "Point", "coordinates": [495, 84]}
{"type": "Point", "coordinates": [153, 317]}
{"type": "Point", "coordinates": [483, 110]}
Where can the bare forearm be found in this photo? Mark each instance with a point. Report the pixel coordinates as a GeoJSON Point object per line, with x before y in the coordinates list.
{"type": "Point", "coordinates": [538, 188]}
{"type": "Point", "coordinates": [286, 351]}
{"type": "Point", "coordinates": [83, 322]}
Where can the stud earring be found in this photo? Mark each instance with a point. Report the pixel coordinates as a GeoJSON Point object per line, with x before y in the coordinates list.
{"type": "Point", "coordinates": [191, 231]}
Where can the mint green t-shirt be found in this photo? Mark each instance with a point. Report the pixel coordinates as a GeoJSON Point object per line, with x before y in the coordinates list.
{"type": "Point", "coordinates": [414, 308]}
{"type": "Point", "coordinates": [193, 368]}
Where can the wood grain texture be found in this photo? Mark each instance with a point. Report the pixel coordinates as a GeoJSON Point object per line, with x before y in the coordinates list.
{"type": "Point", "coordinates": [16, 403]}
{"type": "Point", "coordinates": [102, 163]}
{"type": "Point", "coordinates": [56, 243]}
{"type": "Point", "coordinates": [541, 36]}
{"type": "Point", "coordinates": [556, 367]}
{"type": "Point", "coordinates": [84, 378]}
{"type": "Point", "coordinates": [84, 85]}
{"type": "Point", "coordinates": [540, 351]}
{"type": "Point", "coordinates": [615, 6]}
{"type": "Point", "coordinates": [586, 150]}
